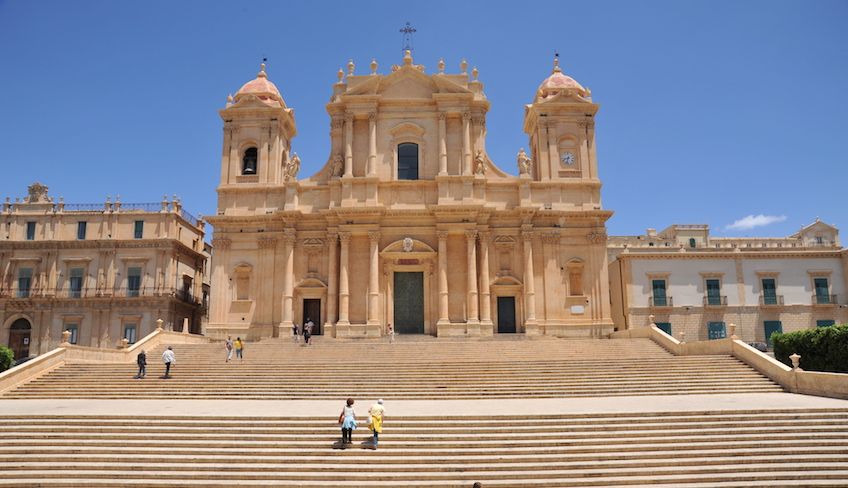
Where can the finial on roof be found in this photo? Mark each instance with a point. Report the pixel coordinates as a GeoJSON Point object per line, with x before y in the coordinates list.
{"type": "Point", "coordinates": [441, 65]}
{"type": "Point", "coordinates": [407, 57]}
{"type": "Point", "coordinates": [463, 66]}
{"type": "Point", "coordinates": [474, 73]}
{"type": "Point", "coordinates": [262, 73]}
{"type": "Point", "coordinates": [556, 64]}
{"type": "Point", "coordinates": [229, 99]}
{"type": "Point", "coordinates": [373, 66]}
{"type": "Point", "coordinates": [340, 75]}
{"type": "Point", "coordinates": [350, 67]}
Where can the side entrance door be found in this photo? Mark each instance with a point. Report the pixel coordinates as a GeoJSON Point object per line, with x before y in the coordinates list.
{"type": "Point", "coordinates": [716, 330]}
{"type": "Point", "coordinates": [312, 310]}
{"type": "Point", "coordinates": [506, 315]}
{"type": "Point", "coordinates": [19, 336]}
{"type": "Point", "coordinates": [771, 326]}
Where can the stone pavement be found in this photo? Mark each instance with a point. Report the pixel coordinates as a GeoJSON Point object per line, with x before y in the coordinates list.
{"type": "Point", "coordinates": [419, 408]}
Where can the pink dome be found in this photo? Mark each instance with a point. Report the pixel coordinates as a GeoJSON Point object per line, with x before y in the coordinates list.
{"type": "Point", "coordinates": [560, 82]}
{"type": "Point", "coordinates": [262, 88]}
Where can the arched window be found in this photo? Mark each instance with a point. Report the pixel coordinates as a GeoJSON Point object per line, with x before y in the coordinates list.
{"type": "Point", "coordinates": [407, 161]}
{"type": "Point", "coordinates": [692, 242]}
{"type": "Point", "coordinates": [248, 163]}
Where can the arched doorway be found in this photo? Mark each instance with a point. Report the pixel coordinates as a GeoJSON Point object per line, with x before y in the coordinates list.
{"type": "Point", "coordinates": [19, 338]}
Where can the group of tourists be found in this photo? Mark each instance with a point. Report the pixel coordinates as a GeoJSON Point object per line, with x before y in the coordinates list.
{"type": "Point", "coordinates": [237, 346]}
{"type": "Point", "coordinates": [305, 331]}
{"type": "Point", "coordinates": [167, 357]}
{"type": "Point", "coordinates": [347, 419]}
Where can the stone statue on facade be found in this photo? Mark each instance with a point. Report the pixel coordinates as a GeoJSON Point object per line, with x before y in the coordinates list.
{"type": "Point", "coordinates": [292, 167]}
{"type": "Point", "coordinates": [37, 193]}
{"type": "Point", "coordinates": [525, 164]}
{"type": "Point", "coordinates": [338, 165]}
{"type": "Point", "coordinates": [479, 163]}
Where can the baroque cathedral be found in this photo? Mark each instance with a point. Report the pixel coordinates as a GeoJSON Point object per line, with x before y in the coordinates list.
{"type": "Point", "coordinates": [410, 222]}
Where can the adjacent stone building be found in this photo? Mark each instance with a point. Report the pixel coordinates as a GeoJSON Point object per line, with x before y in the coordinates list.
{"type": "Point", "coordinates": [693, 285]}
{"type": "Point", "coordinates": [102, 271]}
{"type": "Point", "coordinates": [410, 221]}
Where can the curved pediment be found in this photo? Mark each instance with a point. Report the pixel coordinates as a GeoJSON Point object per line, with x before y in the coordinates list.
{"type": "Point", "coordinates": [407, 129]}
{"type": "Point", "coordinates": [408, 245]}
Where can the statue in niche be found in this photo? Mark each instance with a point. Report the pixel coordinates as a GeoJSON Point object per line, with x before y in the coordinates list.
{"type": "Point", "coordinates": [479, 163]}
{"type": "Point", "coordinates": [292, 167]}
{"type": "Point", "coordinates": [525, 164]}
{"type": "Point", "coordinates": [407, 244]}
{"type": "Point", "coordinates": [338, 165]}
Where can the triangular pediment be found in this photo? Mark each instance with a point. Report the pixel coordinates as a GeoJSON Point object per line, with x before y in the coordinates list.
{"type": "Point", "coordinates": [407, 82]}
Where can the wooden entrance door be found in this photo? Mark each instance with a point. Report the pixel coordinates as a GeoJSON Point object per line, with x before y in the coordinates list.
{"type": "Point", "coordinates": [19, 336]}
{"type": "Point", "coordinates": [506, 315]}
{"type": "Point", "coordinates": [312, 311]}
{"type": "Point", "coordinates": [409, 302]}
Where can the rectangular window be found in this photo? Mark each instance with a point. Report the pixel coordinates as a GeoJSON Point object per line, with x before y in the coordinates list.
{"type": "Point", "coordinates": [716, 330]}
{"type": "Point", "coordinates": [81, 231]}
{"type": "Point", "coordinates": [129, 333]}
{"type": "Point", "coordinates": [664, 326]}
{"type": "Point", "coordinates": [407, 154]}
{"type": "Point", "coordinates": [770, 327]}
{"type": "Point", "coordinates": [822, 291]}
{"type": "Point", "coordinates": [74, 330]}
{"type": "Point", "coordinates": [713, 292]}
{"type": "Point", "coordinates": [30, 236]}
{"type": "Point", "coordinates": [769, 291]}
{"type": "Point", "coordinates": [24, 282]}
{"type": "Point", "coordinates": [133, 282]}
{"type": "Point", "coordinates": [138, 232]}
{"type": "Point", "coordinates": [75, 282]}
{"type": "Point", "coordinates": [659, 293]}
{"type": "Point", "coordinates": [825, 323]}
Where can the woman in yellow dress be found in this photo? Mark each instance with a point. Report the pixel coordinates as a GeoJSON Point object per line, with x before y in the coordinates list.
{"type": "Point", "coordinates": [377, 412]}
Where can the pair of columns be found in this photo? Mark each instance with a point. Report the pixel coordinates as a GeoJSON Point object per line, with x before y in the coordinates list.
{"type": "Point", "coordinates": [466, 145]}
{"type": "Point", "coordinates": [475, 314]}
{"type": "Point", "coordinates": [372, 145]}
{"type": "Point", "coordinates": [343, 284]}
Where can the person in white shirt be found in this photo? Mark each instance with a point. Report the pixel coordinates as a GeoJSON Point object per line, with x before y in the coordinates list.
{"type": "Point", "coordinates": [229, 346]}
{"type": "Point", "coordinates": [168, 358]}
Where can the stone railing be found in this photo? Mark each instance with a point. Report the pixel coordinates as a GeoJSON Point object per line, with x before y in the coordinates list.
{"type": "Point", "coordinates": [72, 354]}
{"type": "Point", "coordinates": [793, 380]}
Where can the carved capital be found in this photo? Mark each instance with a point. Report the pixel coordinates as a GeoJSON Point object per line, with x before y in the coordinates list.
{"type": "Point", "coordinates": [596, 237]}
{"type": "Point", "coordinates": [337, 124]}
{"type": "Point", "coordinates": [485, 236]}
{"type": "Point", "coordinates": [372, 116]}
{"type": "Point", "coordinates": [348, 117]}
{"type": "Point", "coordinates": [289, 236]}
{"type": "Point", "coordinates": [332, 237]}
{"type": "Point", "coordinates": [374, 235]}
{"type": "Point", "coordinates": [221, 243]}
{"type": "Point", "coordinates": [267, 243]}
{"type": "Point", "coordinates": [527, 235]}
{"type": "Point", "coordinates": [471, 235]}
{"type": "Point", "coordinates": [344, 237]}
{"type": "Point", "coordinates": [442, 116]}
{"type": "Point", "coordinates": [466, 116]}
{"type": "Point", "coordinates": [442, 234]}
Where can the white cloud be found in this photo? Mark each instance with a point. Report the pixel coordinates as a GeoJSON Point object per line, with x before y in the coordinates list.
{"type": "Point", "coordinates": [751, 221]}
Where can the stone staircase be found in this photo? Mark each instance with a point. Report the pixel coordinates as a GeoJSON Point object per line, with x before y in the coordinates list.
{"type": "Point", "coordinates": [743, 448]}
{"type": "Point", "coordinates": [416, 368]}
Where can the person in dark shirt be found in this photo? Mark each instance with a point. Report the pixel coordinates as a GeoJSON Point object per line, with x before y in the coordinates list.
{"type": "Point", "coordinates": [141, 359]}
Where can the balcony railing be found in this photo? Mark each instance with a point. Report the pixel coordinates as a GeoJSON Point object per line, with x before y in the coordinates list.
{"type": "Point", "coordinates": [715, 300]}
{"type": "Point", "coordinates": [655, 302]}
{"type": "Point", "coordinates": [771, 300]}
{"type": "Point", "coordinates": [824, 299]}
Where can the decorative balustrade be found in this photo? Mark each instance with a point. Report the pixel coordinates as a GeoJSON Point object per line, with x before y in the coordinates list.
{"type": "Point", "coordinates": [715, 300]}
{"type": "Point", "coordinates": [821, 299]}
{"type": "Point", "coordinates": [771, 300]}
{"type": "Point", "coordinates": [656, 302]}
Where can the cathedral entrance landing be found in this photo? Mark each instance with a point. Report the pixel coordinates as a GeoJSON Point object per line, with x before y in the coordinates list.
{"type": "Point", "coordinates": [409, 302]}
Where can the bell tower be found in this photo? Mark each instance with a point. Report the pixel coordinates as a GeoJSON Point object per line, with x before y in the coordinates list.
{"type": "Point", "coordinates": [258, 129]}
{"type": "Point", "coordinates": [561, 125]}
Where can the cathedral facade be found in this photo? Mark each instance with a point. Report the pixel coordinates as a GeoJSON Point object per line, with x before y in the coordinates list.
{"type": "Point", "coordinates": [410, 221]}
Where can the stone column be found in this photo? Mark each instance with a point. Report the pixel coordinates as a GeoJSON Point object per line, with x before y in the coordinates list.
{"type": "Point", "coordinates": [348, 170]}
{"type": "Point", "coordinates": [485, 293]}
{"type": "Point", "coordinates": [443, 146]}
{"type": "Point", "coordinates": [372, 144]}
{"type": "Point", "coordinates": [333, 281]}
{"type": "Point", "coordinates": [529, 279]}
{"type": "Point", "coordinates": [471, 245]}
{"type": "Point", "coordinates": [443, 276]}
{"type": "Point", "coordinates": [344, 293]}
{"type": "Point", "coordinates": [466, 143]}
{"type": "Point", "coordinates": [265, 303]}
{"type": "Point", "coordinates": [288, 279]}
{"type": "Point", "coordinates": [374, 279]}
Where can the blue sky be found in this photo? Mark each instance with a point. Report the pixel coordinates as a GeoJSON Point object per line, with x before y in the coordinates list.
{"type": "Point", "coordinates": [710, 111]}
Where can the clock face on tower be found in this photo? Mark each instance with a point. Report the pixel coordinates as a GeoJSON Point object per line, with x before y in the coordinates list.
{"type": "Point", "coordinates": [567, 158]}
